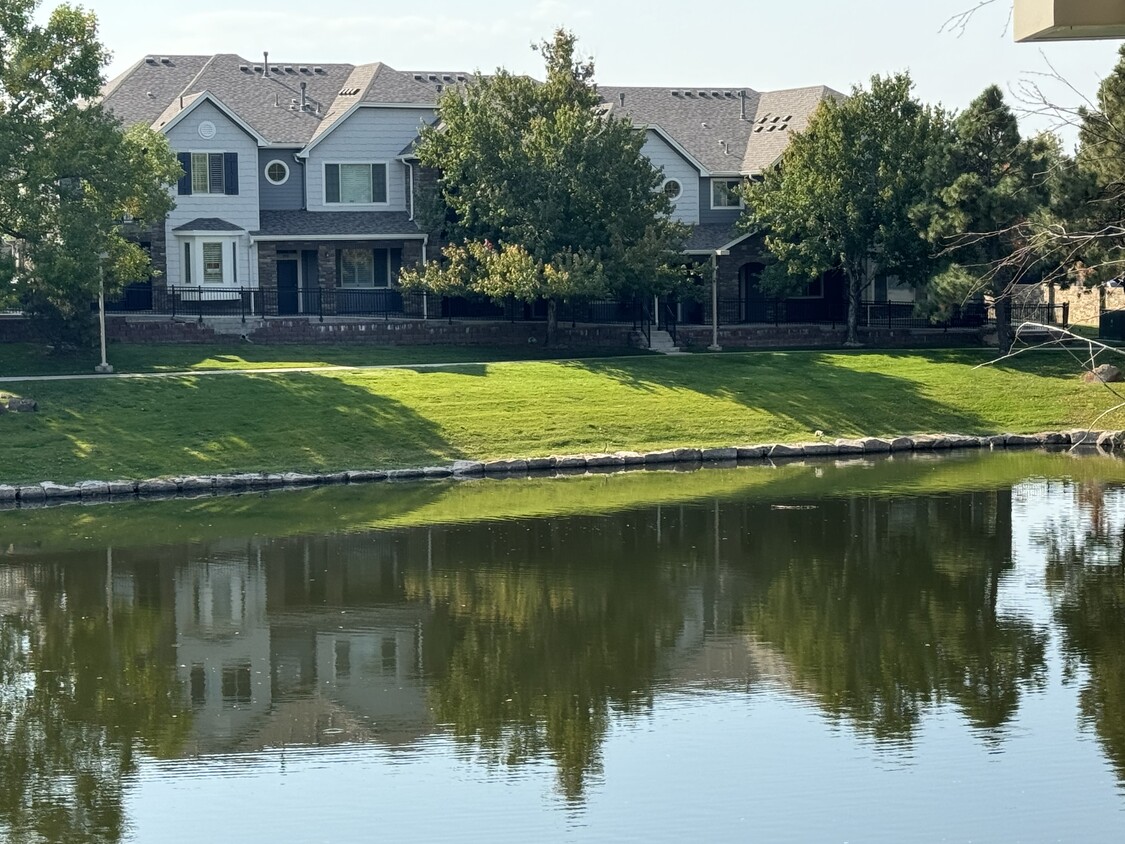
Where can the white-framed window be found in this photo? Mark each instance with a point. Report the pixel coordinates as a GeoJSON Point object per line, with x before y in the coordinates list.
{"type": "Point", "coordinates": [212, 262]}
{"type": "Point", "coordinates": [207, 173]}
{"type": "Point", "coordinates": [364, 267]}
{"type": "Point", "coordinates": [277, 172]}
{"type": "Point", "coordinates": [672, 189]}
{"type": "Point", "coordinates": [355, 184]}
{"type": "Point", "coordinates": [209, 261]}
{"type": "Point", "coordinates": [725, 193]}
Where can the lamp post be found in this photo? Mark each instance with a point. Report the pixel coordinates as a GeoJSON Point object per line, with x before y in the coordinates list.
{"type": "Point", "coordinates": [715, 347]}
{"type": "Point", "coordinates": [102, 368]}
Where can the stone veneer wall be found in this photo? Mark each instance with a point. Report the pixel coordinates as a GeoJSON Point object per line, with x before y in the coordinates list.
{"type": "Point", "coordinates": [1083, 302]}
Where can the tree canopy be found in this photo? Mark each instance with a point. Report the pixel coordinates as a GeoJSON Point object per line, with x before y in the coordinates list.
{"type": "Point", "coordinates": [996, 182]}
{"type": "Point", "coordinates": [545, 195]}
{"type": "Point", "coordinates": [841, 195]}
{"type": "Point", "coordinates": [71, 173]}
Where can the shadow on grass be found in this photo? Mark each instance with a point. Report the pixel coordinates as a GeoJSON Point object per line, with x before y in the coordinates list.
{"type": "Point", "coordinates": [811, 390]}
{"type": "Point", "coordinates": [177, 426]}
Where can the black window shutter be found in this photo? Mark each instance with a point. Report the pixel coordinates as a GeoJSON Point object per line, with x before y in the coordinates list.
{"type": "Point", "coordinates": [215, 171]}
{"type": "Point", "coordinates": [378, 182]}
{"type": "Point", "coordinates": [184, 188]}
{"type": "Point", "coordinates": [339, 268]}
{"type": "Point", "coordinates": [396, 265]}
{"type": "Point", "coordinates": [331, 182]}
{"type": "Point", "coordinates": [230, 165]}
{"type": "Point", "coordinates": [381, 275]}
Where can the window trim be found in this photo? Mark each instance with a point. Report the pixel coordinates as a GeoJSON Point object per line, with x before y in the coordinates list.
{"type": "Point", "coordinates": [679, 189]}
{"type": "Point", "coordinates": [369, 162]}
{"type": "Point", "coordinates": [741, 202]}
{"type": "Point", "coordinates": [222, 153]}
{"type": "Point", "coordinates": [372, 286]}
{"type": "Point", "coordinates": [193, 268]}
{"type": "Point", "coordinates": [284, 166]}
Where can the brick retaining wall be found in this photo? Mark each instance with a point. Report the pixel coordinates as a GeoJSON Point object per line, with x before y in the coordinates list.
{"type": "Point", "coordinates": [733, 338]}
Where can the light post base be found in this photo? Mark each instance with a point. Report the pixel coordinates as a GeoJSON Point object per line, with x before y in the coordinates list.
{"type": "Point", "coordinates": [103, 369]}
{"type": "Point", "coordinates": [714, 347]}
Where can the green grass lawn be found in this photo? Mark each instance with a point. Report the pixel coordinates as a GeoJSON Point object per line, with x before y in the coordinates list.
{"type": "Point", "coordinates": [35, 359]}
{"type": "Point", "coordinates": [386, 418]}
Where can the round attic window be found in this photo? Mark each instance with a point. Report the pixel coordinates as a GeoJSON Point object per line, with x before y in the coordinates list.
{"type": "Point", "coordinates": [673, 189]}
{"type": "Point", "coordinates": [207, 130]}
{"type": "Point", "coordinates": [277, 172]}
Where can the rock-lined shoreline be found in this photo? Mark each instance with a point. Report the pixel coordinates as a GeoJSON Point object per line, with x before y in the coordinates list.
{"type": "Point", "coordinates": [49, 492]}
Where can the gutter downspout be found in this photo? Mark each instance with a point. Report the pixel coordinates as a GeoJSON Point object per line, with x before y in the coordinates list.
{"type": "Point", "coordinates": [410, 171]}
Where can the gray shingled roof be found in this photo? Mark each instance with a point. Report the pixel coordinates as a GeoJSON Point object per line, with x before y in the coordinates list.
{"type": "Point", "coordinates": [710, 236]}
{"type": "Point", "coordinates": [208, 224]}
{"type": "Point", "coordinates": [344, 224]}
{"type": "Point", "coordinates": [141, 93]}
{"type": "Point", "coordinates": [709, 124]}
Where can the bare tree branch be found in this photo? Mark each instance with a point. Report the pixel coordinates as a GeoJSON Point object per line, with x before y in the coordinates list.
{"type": "Point", "coordinates": [959, 22]}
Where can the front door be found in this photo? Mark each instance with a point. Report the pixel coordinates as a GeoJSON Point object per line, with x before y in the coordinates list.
{"type": "Point", "coordinates": [287, 294]}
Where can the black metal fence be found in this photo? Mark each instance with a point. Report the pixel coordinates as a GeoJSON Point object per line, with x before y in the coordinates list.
{"type": "Point", "coordinates": [390, 303]}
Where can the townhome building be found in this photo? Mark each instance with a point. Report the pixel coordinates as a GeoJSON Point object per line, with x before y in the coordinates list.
{"type": "Point", "coordinates": [300, 183]}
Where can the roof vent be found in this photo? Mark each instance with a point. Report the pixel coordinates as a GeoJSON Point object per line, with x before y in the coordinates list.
{"type": "Point", "coordinates": [349, 92]}
{"type": "Point", "coordinates": [462, 78]}
{"type": "Point", "coordinates": [782, 127]}
{"type": "Point", "coordinates": [716, 94]}
{"type": "Point", "coordinates": [318, 69]}
{"type": "Point", "coordinates": [257, 68]}
{"type": "Point", "coordinates": [689, 94]}
{"type": "Point", "coordinates": [676, 93]}
{"type": "Point", "coordinates": [165, 60]}
{"type": "Point", "coordinates": [150, 59]}
{"type": "Point", "coordinates": [438, 86]}
{"type": "Point", "coordinates": [770, 128]}
{"type": "Point", "coordinates": [703, 94]}
{"type": "Point", "coordinates": [245, 68]}
{"type": "Point", "coordinates": [757, 128]}
{"type": "Point", "coordinates": [764, 119]}
{"type": "Point", "coordinates": [433, 77]}
{"type": "Point", "coordinates": [419, 77]}
{"type": "Point", "coordinates": [447, 78]}
{"type": "Point", "coordinates": [775, 118]}
{"type": "Point", "coordinates": [151, 95]}
{"type": "Point", "coordinates": [787, 118]}
{"type": "Point", "coordinates": [289, 69]}
{"type": "Point", "coordinates": [303, 69]}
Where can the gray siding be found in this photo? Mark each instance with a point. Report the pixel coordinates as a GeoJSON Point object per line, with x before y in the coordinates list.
{"type": "Point", "coordinates": [242, 210]}
{"type": "Point", "coordinates": [673, 165]}
{"type": "Point", "coordinates": [706, 215]}
{"type": "Point", "coordinates": [369, 135]}
{"type": "Point", "coordinates": [286, 197]}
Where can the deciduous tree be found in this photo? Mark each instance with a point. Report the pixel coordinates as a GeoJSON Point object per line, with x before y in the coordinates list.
{"type": "Point", "coordinates": [69, 173]}
{"type": "Point", "coordinates": [548, 196]}
{"type": "Point", "coordinates": [843, 191]}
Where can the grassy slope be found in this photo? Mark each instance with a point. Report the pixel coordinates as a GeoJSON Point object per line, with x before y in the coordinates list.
{"type": "Point", "coordinates": [381, 506]}
{"type": "Point", "coordinates": [31, 359]}
{"type": "Point", "coordinates": [332, 421]}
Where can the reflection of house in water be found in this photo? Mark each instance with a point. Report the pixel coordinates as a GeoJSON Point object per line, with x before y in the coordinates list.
{"type": "Point", "coordinates": [296, 642]}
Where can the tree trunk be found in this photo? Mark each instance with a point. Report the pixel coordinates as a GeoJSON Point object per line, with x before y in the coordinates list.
{"type": "Point", "coordinates": [552, 321]}
{"type": "Point", "coordinates": [855, 290]}
{"type": "Point", "coordinates": [1004, 338]}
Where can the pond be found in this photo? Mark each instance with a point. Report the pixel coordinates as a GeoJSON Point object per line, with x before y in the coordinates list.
{"type": "Point", "coordinates": [924, 649]}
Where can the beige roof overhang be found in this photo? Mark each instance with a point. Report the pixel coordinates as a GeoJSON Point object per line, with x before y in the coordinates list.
{"type": "Point", "coordinates": [1066, 20]}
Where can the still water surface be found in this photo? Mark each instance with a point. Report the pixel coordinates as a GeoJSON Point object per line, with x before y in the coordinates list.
{"type": "Point", "coordinates": [910, 650]}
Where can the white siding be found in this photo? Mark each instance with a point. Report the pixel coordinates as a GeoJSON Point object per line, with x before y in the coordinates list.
{"type": "Point", "coordinates": [663, 156]}
{"type": "Point", "coordinates": [368, 135]}
{"type": "Point", "coordinates": [242, 210]}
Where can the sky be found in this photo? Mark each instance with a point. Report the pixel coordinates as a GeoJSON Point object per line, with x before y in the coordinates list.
{"type": "Point", "coordinates": [760, 44]}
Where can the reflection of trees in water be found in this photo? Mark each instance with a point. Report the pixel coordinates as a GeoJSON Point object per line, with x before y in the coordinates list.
{"type": "Point", "coordinates": [884, 607]}
{"type": "Point", "coordinates": [83, 684]}
{"type": "Point", "coordinates": [528, 654]}
{"type": "Point", "coordinates": [1085, 545]}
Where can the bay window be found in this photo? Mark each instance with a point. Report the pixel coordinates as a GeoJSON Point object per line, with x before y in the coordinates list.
{"type": "Point", "coordinates": [209, 261]}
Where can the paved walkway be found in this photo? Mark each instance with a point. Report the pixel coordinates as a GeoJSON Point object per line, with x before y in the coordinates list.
{"type": "Point", "coordinates": [285, 370]}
